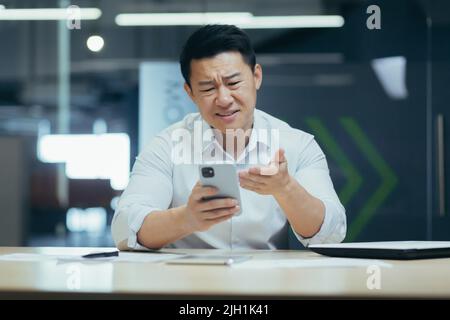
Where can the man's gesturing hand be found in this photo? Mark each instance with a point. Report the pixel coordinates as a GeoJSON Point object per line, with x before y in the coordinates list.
{"type": "Point", "coordinates": [273, 179]}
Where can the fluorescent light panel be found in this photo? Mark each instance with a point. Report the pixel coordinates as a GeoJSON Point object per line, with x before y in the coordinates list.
{"type": "Point", "coordinates": [89, 156]}
{"type": "Point", "coordinates": [48, 14]}
{"type": "Point", "coordinates": [181, 19]}
{"type": "Point", "coordinates": [273, 22]}
{"type": "Point", "coordinates": [88, 220]}
{"type": "Point", "coordinates": [244, 20]}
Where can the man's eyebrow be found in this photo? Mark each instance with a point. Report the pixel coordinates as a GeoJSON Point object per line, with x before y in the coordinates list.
{"type": "Point", "coordinates": [205, 82]}
{"type": "Point", "coordinates": [232, 76]}
{"type": "Point", "coordinates": [209, 82]}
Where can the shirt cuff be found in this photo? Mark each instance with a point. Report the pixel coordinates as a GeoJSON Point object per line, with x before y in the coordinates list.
{"type": "Point", "coordinates": [135, 222]}
{"type": "Point", "coordinates": [332, 230]}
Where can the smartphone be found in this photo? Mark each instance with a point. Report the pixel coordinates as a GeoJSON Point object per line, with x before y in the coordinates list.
{"type": "Point", "coordinates": [224, 177]}
{"type": "Point", "coordinates": [209, 259]}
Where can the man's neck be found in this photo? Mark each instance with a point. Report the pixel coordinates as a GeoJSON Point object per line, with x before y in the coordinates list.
{"type": "Point", "coordinates": [234, 142]}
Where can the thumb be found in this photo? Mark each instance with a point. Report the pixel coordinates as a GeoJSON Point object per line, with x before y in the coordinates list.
{"type": "Point", "coordinates": [279, 156]}
{"type": "Point", "coordinates": [274, 165]}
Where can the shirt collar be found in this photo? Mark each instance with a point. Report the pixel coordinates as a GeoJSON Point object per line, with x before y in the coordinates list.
{"type": "Point", "coordinates": [209, 137]}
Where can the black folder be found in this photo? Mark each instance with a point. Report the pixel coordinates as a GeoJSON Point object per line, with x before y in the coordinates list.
{"type": "Point", "coordinates": [398, 250]}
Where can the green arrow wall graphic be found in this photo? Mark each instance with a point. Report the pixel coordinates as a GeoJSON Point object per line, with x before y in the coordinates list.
{"type": "Point", "coordinates": [354, 179]}
{"type": "Point", "coordinates": [388, 177]}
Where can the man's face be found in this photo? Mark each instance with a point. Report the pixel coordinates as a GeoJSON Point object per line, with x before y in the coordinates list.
{"type": "Point", "coordinates": [224, 89]}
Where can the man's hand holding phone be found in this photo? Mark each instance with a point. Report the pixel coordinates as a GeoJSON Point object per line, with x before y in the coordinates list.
{"type": "Point", "coordinates": [203, 214]}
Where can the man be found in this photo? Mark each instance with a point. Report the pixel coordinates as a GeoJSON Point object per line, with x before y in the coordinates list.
{"type": "Point", "coordinates": [162, 205]}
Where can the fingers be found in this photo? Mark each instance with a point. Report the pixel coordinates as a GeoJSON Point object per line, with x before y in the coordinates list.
{"type": "Point", "coordinates": [279, 156]}
{"type": "Point", "coordinates": [221, 213]}
{"type": "Point", "coordinates": [261, 174]}
{"type": "Point", "coordinates": [199, 192]}
{"type": "Point", "coordinates": [203, 214]}
{"type": "Point", "coordinates": [273, 168]}
{"type": "Point", "coordinates": [254, 175]}
{"type": "Point", "coordinates": [215, 204]}
{"type": "Point", "coordinates": [219, 220]}
{"type": "Point", "coordinates": [251, 185]}
{"type": "Point", "coordinates": [255, 170]}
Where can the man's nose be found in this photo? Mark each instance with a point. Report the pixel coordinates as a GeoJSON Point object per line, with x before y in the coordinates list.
{"type": "Point", "coordinates": [224, 98]}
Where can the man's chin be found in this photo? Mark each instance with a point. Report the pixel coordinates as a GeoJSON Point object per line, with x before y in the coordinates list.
{"type": "Point", "coordinates": [229, 128]}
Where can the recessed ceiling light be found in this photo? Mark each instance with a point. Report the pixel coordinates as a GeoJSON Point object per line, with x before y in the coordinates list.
{"type": "Point", "coordinates": [95, 43]}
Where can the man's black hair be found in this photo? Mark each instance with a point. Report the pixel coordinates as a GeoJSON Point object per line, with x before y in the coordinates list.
{"type": "Point", "coordinates": [211, 40]}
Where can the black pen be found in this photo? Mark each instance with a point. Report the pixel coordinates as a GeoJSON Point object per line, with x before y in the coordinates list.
{"type": "Point", "coordinates": [102, 254]}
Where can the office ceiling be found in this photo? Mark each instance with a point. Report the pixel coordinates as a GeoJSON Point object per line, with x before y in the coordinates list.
{"type": "Point", "coordinates": [438, 9]}
{"type": "Point", "coordinates": [257, 7]}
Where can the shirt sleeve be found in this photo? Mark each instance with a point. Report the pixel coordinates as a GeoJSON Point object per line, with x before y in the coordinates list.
{"type": "Point", "coordinates": [149, 189]}
{"type": "Point", "coordinates": [313, 174]}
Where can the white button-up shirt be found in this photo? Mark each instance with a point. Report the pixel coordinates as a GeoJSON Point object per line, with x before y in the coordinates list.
{"type": "Point", "coordinates": [160, 181]}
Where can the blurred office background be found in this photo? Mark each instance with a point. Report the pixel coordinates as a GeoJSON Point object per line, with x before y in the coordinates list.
{"type": "Point", "coordinates": [78, 99]}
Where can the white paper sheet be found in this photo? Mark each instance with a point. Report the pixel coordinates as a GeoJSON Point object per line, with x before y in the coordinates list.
{"type": "Point", "coordinates": [310, 263]}
{"type": "Point", "coordinates": [123, 257]}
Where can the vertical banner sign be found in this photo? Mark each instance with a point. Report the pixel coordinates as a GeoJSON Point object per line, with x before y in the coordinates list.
{"type": "Point", "coordinates": [162, 99]}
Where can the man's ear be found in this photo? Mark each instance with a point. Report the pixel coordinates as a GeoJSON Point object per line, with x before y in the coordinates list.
{"type": "Point", "coordinates": [258, 75]}
{"type": "Point", "coordinates": [188, 90]}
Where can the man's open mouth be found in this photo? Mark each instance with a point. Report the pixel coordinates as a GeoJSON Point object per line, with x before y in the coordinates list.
{"type": "Point", "coordinates": [227, 114]}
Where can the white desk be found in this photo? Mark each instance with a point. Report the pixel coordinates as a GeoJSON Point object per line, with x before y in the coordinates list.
{"type": "Point", "coordinates": [47, 279]}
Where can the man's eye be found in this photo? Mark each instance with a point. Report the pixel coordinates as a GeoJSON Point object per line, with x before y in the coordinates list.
{"type": "Point", "coordinates": [207, 90]}
{"type": "Point", "coordinates": [233, 83]}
